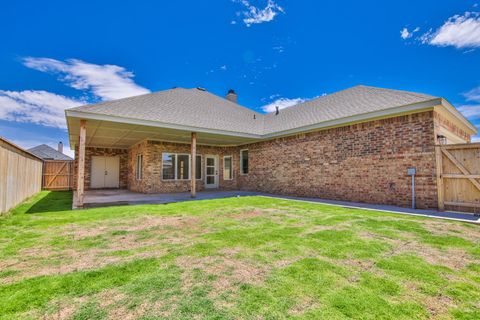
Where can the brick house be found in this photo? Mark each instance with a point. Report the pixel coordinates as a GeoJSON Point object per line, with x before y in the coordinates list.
{"type": "Point", "coordinates": [353, 145]}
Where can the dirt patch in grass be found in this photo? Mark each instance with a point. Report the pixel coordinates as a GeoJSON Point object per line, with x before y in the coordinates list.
{"type": "Point", "coordinates": [302, 306]}
{"type": "Point", "coordinates": [63, 309]}
{"type": "Point", "coordinates": [453, 258]}
{"type": "Point", "coordinates": [438, 305]}
{"type": "Point", "coordinates": [224, 271]}
{"type": "Point", "coordinates": [246, 214]}
{"type": "Point", "coordinates": [47, 261]}
{"type": "Point", "coordinates": [115, 303]}
{"type": "Point", "coordinates": [143, 223]}
{"type": "Point", "coordinates": [441, 229]}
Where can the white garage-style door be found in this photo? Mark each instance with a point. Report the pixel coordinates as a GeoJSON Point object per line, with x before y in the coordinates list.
{"type": "Point", "coordinates": [105, 172]}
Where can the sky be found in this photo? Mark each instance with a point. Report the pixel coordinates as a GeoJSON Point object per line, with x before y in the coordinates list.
{"type": "Point", "coordinates": [60, 54]}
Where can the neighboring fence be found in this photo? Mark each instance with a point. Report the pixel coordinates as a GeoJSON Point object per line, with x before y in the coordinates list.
{"type": "Point", "coordinates": [458, 177]}
{"type": "Point", "coordinates": [20, 175]}
{"type": "Point", "coordinates": [57, 175]}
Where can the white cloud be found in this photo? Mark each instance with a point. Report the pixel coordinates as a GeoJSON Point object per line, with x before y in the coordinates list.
{"type": "Point", "coordinates": [282, 103]}
{"type": "Point", "coordinates": [473, 95]}
{"type": "Point", "coordinates": [405, 34]}
{"type": "Point", "coordinates": [107, 81]}
{"type": "Point", "coordinates": [470, 111]}
{"type": "Point", "coordinates": [279, 49]}
{"type": "Point", "coordinates": [40, 107]}
{"type": "Point", "coordinates": [459, 31]}
{"type": "Point", "coordinates": [476, 139]}
{"type": "Point", "coordinates": [255, 15]}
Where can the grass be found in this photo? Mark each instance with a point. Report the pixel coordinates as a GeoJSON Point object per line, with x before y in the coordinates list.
{"type": "Point", "coordinates": [238, 258]}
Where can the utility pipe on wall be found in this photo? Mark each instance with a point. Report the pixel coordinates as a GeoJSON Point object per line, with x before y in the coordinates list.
{"type": "Point", "coordinates": [412, 172]}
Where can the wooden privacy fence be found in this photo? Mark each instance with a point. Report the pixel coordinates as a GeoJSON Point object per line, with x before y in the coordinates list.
{"type": "Point", "coordinates": [458, 177]}
{"type": "Point", "coordinates": [57, 175]}
{"type": "Point", "coordinates": [20, 175]}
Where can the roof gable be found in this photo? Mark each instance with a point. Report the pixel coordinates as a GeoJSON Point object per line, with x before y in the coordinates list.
{"type": "Point", "coordinates": [48, 153]}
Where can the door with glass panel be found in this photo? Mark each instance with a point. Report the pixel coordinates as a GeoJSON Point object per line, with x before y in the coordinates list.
{"type": "Point", "coordinates": [211, 171]}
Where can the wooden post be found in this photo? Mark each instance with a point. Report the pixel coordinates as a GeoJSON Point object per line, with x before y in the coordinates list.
{"type": "Point", "coordinates": [81, 163]}
{"type": "Point", "coordinates": [193, 165]}
{"type": "Point", "coordinates": [439, 170]}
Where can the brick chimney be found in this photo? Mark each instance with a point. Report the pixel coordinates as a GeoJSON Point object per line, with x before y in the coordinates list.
{"type": "Point", "coordinates": [232, 96]}
{"type": "Point", "coordinates": [60, 147]}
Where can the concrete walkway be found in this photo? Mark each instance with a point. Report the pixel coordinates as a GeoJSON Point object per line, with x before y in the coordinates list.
{"type": "Point", "coordinates": [103, 198]}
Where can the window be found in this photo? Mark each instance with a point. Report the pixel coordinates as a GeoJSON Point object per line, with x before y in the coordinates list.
{"type": "Point", "coordinates": [183, 166]}
{"type": "Point", "coordinates": [244, 161]}
{"type": "Point", "coordinates": [177, 166]}
{"type": "Point", "coordinates": [168, 166]}
{"type": "Point", "coordinates": [139, 167]}
{"type": "Point", "coordinates": [227, 168]}
{"type": "Point", "coordinates": [198, 167]}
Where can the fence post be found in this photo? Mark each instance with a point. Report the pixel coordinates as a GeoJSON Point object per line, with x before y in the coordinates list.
{"type": "Point", "coordinates": [439, 171]}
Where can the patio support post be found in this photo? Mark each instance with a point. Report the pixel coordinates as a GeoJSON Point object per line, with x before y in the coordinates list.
{"type": "Point", "coordinates": [81, 163]}
{"type": "Point", "coordinates": [193, 165]}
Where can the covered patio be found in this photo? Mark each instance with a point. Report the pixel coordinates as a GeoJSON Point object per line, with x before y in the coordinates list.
{"type": "Point", "coordinates": [107, 133]}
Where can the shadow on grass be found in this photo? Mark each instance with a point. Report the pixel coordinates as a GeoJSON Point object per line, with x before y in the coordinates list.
{"type": "Point", "coordinates": [52, 201]}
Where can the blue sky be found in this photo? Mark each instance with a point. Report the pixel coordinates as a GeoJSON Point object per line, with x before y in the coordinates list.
{"type": "Point", "coordinates": [58, 54]}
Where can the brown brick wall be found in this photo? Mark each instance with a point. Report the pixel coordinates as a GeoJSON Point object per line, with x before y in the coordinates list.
{"type": "Point", "coordinates": [89, 152]}
{"type": "Point", "coordinates": [363, 162]}
{"type": "Point", "coordinates": [152, 167]}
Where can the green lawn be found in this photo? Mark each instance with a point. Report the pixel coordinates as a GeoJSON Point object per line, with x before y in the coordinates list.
{"type": "Point", "coordinates": [238, 258]}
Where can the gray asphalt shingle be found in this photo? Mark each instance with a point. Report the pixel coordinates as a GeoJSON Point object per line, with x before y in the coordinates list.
{"type": "Point", "coordinates": [198, 108]}
{"type": "Point", "coordinates": [48, 153]}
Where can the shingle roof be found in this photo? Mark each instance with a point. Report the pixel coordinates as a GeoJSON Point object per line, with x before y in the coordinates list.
{"type": "Point", "coordinates": [48, 153]}
{"type": "Point", "coordinates": [199, 108]}
{"type": "Point", "coordinates": [346, 103]}
{"type": "Point", "coordinates": [188, 107]}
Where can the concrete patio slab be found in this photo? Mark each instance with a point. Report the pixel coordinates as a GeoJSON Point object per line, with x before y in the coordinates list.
{"type": "Point", "coordinates": [115, 197]}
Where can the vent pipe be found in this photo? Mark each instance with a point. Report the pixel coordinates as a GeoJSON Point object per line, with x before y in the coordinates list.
{"type": "Point", "coordinates": [60, 147]}
{"type": "Point", "coordinates": [231, 96]}
{"type": "Point", "coordinates": [277, 110]}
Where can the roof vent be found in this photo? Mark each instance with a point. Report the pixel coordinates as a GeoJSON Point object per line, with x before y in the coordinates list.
{"type": "Point", "coordinates": [201, 89]}
{"type": "Point", "coordinates": [277, 110]}
{"type": "Point", "coordinates": [232, 96]}
{"type": "Point", "coordinates": [60, 147]}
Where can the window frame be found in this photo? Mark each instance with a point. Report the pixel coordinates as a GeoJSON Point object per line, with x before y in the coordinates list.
{"type": "Point", "coordinates": [201, 167]}
{"type": "Point", "coordinates": [139, 168]}
{"type": "Point", "coordinates": [174, 167]}
{"type": "Point", "coordinates": [241, 163]}
{"type": "Point", "coordinates": [189, 166]}
{"type": "Point", "coordinates": [175, 163]}
{"type": "Point", "coordinates": [231, 167]}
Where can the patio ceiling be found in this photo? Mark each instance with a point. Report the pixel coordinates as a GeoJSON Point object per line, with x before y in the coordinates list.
{"type": "Point", "coordinates": [108, 134]}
